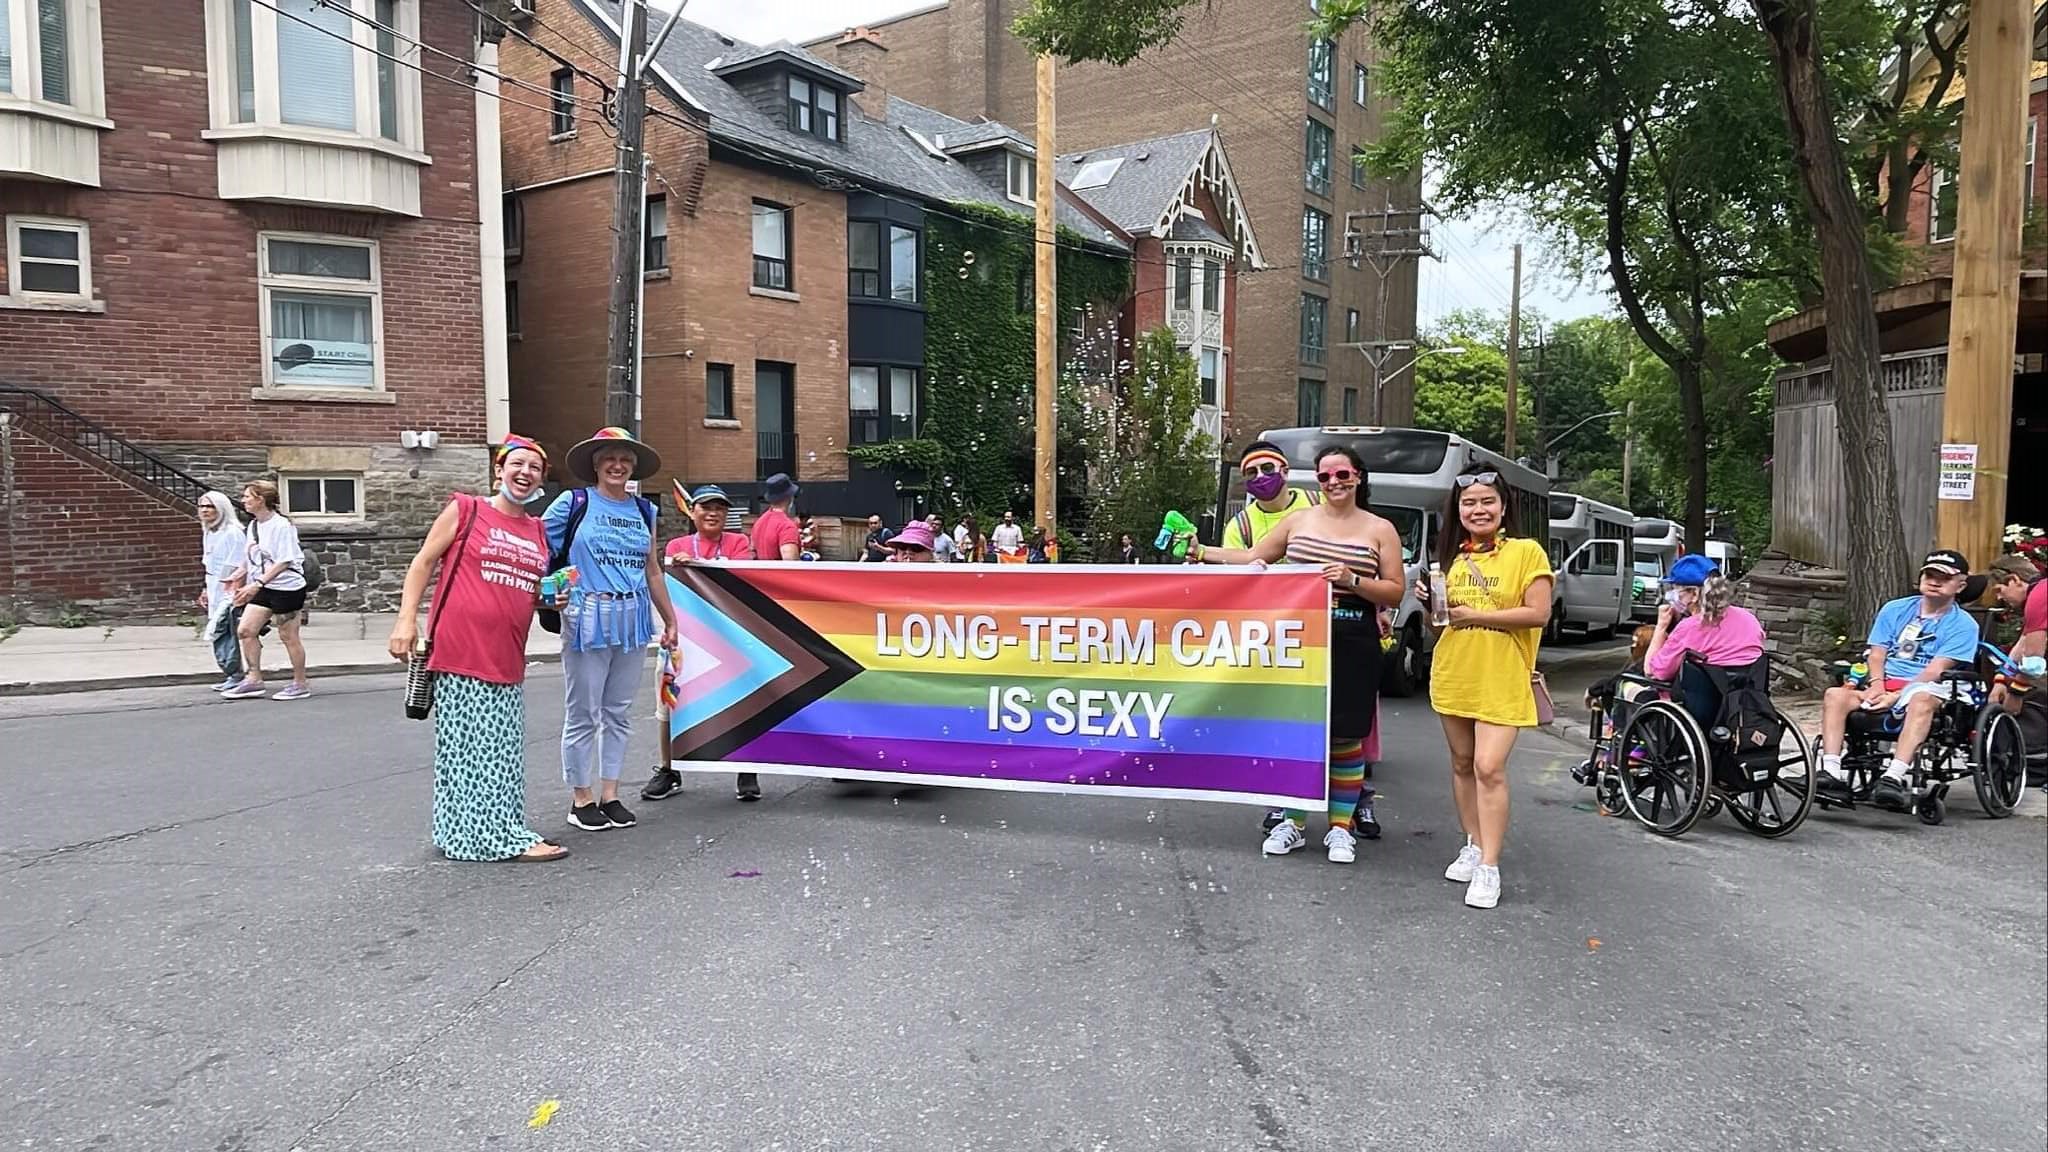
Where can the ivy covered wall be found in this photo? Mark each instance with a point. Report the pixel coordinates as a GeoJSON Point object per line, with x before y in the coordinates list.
{"type": "Point", "coordinates": [974, 449]}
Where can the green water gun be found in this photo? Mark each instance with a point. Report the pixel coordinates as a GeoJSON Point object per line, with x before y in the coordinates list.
{"type": "Point", "coordinates": [1174, 534]}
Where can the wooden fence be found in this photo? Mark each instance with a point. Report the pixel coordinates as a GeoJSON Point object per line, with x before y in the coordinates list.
{"type": "Point", "coordinates": [1809, 509]}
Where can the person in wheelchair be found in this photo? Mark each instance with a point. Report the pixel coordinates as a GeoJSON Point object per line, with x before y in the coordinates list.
{"type": "Point", "coordinates": [1913, 642]}
{"type": "Point", "coordinates": [2020, 587]}
{"type": "Point", "coordinates": [1700, 619]}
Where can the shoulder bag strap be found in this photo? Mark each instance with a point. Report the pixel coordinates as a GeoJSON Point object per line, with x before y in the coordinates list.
{"type": "Point", "coordinates": [450, 559]}
{"type": "Point", "coordinates": [1479, 578]}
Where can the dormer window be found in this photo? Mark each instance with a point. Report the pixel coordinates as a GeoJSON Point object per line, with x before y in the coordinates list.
{"type": "Point", "coordinates": [813, 108]}
{"type": "Point", "coordinates": [1023, 179]}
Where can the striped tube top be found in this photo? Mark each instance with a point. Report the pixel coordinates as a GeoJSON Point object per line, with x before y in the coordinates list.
{"type": "Point", "coordinates": [1361, 559]}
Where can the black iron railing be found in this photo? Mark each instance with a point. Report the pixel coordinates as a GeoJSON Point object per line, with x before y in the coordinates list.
{"type": "Point", "coordinates": [48, 416]}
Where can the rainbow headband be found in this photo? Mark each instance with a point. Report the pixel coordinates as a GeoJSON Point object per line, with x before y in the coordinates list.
{"type": "Point", "coordinates": [515, 442]}
{"type": "Point", "coordinates": [1253, 460]}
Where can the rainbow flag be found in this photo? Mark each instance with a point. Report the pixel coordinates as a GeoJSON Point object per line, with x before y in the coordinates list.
{"type": "Point", "coordinates": [1177, 681]}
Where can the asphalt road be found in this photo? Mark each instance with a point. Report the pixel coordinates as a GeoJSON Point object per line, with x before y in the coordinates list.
{"type": "Point", "coordinates": [222, 928]}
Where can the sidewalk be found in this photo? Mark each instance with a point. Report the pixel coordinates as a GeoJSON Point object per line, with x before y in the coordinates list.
{"type": "Point", "coordinates": [37, 661]}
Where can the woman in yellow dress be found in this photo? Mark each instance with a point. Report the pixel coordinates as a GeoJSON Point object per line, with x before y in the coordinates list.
{"type": "Point", "coordinates": [1480, 680]}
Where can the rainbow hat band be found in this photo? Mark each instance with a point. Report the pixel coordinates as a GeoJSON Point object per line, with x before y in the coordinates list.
{"type": "Point", "coordinates": [1255, 460]}
{"type": "Point", "coordinates": [579, 459]}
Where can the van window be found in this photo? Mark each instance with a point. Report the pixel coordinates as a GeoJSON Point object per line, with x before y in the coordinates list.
{"type": "Point", "coordinates": [1604, 558]}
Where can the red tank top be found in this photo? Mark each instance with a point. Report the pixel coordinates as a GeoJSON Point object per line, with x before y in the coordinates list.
{"type": "Point", "coordinates": [483, 604]}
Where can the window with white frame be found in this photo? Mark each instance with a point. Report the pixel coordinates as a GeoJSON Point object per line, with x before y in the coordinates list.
{"type": "Point", "coordinates": [1023, 178]}
{"type": "Point", "coordinates": [1212, 285]}
{"type": "Point", "coordinates": [1361, 85]}
{"type": "Point", "coordinates": [656, 256]}
{"type": "Point", "coordinates": [561, 103]}
{"type": "Point", "coordinates": [771, 247]}
{"type": "Point", "coordinates": [337, 496]}
{"type": "Point", "coordinates": [1183, 283]}
{"type": "Point", "coordinates": [350, 67]}
{"type": "Point", "coordinates": [1941, 205]}
{"type": "Point", "coordinates": [48, 259]}
{"type": "Point", "coordinates": [322, 312]}
{"type": "Point", "coordinates": [1211, 360]}
{"type": "Point", "coordinates": [50, 53]}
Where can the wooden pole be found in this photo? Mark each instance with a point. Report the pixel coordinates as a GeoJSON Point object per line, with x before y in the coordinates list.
{"type": "Point", "coordinates": [1045, 494]}
{"type": "Point", "coordinates": [629, 209]}
{"type": "Point", "coordinates": [1628, 454]}
{"type": "Point", "coordinates": [1514, 350]}
{"type": "Point", "coordinates": [1976, 410]}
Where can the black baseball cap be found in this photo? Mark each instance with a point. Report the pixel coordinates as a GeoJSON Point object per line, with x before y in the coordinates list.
{"type": "Point", "coordinates": [1946, 561]}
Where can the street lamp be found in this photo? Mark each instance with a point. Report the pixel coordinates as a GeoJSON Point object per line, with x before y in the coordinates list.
{"type": "Point", "coordinates": [1560, 438]}
{"type": "Point", "coordinates": [1378, 352]}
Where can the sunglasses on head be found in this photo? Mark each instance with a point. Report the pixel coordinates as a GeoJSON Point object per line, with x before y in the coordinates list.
{"type": "Point", "coordinates": [1487, 478]}
{"type": "Point", "coordinates": [1336, 476]}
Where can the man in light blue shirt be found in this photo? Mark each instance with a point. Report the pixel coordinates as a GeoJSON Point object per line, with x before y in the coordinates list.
{"type": "Point", "coordinates": [1914, 640]}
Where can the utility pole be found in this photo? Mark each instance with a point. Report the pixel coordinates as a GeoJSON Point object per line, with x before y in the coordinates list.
{"type": "Point", "coordinates": [1514, 351]}
{"type": "Point", "coordinates": [1976, 410]}
{"type": "Point", "coordinates": [629, 208]}
{"type": "Point", "coordinates": [1044, 491]}
{"type": "Point", "coordinates": [1395, 245]}
{"type": "Point", "coordinates": [1628, 452]}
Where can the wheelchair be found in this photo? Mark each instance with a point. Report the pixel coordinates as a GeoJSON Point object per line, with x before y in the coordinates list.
{"type": "Point", "coordinates": [1653, 759]}
{"type": "Point", "coordinates": [1970, 737]}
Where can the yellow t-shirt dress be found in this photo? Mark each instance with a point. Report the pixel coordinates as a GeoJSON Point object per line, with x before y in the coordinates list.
{"type": "Point", "coordinates": [1483, 673]}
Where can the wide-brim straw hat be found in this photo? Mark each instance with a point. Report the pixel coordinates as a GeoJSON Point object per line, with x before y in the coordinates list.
{"type": "Point", "coordinates": [579, 460]}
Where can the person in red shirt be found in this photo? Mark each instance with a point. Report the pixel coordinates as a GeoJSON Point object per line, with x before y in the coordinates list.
{"type": "Point", "coordinates": [775, 534]}
{"type": "Point", "coordinates": [492, 555]}
{"type": "Point", "coordinates": [707, 508]}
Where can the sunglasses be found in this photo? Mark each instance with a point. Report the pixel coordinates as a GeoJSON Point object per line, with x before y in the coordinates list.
{"type": "Point", "coordinates": [1487, 478]}
{"type": "Point", "coordinates": [1263, 468]}
{"type": "Point", "coordinates": [1336, 476]}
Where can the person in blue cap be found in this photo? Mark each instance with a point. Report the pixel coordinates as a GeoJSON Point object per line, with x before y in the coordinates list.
{"type": "Point", "coordinates": [707, 508]}
{"type": "Point", "coordinates": [1699, 617]}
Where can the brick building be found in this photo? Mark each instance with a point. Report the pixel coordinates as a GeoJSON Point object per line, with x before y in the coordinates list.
{"type": "Point", "coordinates": [785, 282]}
{"type": "Point", "coordinates": [1296, 111]}
{"type": "Point", "coordinates": [241, 241]}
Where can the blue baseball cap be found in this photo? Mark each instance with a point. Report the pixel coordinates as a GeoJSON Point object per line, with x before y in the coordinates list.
{"type": "Point", "coordinates": [1692, 570]}
{"type": "Point", "coordinates": [712, 493]}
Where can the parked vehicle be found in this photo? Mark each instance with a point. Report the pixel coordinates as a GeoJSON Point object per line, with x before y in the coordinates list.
{"type": "Point", "coordinates": [1659, 543]}
{"type": "Point", "coordinates": [1410, 473]}
{"type": "Point", "coordinates": [1592, 549]}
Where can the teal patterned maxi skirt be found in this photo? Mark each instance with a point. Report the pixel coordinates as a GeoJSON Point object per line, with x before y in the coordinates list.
{"type": "Point", "coordinates": [480, 769]}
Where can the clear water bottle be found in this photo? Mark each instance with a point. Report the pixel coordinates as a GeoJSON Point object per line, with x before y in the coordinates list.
{"type": "Point", "coordinates": [1439, 597]}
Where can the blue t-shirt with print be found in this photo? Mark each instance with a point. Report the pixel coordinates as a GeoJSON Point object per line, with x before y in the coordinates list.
{"type": "Point", "coordinates": [1910, 649]}
{"type": "Point", "coordinates": [611, 545]}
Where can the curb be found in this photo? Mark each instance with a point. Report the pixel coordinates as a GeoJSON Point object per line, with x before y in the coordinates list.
{"type": "Point", "coordinates": [176, 679]}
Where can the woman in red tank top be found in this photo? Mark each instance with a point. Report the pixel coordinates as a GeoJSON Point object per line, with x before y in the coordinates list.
{"type": "Point", "coordinates": [492, 556]}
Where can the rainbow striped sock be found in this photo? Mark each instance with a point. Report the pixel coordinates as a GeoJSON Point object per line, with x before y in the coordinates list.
{"type": "Point", "coordinates": [1347, 782]}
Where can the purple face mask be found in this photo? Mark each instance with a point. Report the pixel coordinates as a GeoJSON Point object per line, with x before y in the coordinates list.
{"type": "Point", "coordinates": [1265, 485]}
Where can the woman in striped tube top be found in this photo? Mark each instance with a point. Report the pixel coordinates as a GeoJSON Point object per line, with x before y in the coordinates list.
{"type": "Point", "coordinates": [1346, 541]}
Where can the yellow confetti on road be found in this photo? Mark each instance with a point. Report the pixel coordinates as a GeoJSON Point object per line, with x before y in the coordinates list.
{"type": "Point", "coordinates": [543, 1112]}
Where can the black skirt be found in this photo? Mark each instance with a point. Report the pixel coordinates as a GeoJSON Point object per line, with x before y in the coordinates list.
{"type": "Point", "coordinates": [1355, 656]}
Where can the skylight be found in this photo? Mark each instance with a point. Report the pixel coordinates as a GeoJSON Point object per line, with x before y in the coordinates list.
{"type": "Point", "coordinates": [1095, 174]}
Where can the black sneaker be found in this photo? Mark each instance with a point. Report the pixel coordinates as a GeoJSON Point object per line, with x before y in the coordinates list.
{"type": "Point", "coordinates": [1362, 821]}
{"type": "Point", "coordinates": [1273, 818]}
{"type": "Point", "coordinates": [749, 787]}
{"type": "Point", "coordinates": [588, 817]}
{"type": "Point", "coordinates": [619, 815]}
{"type": "Point", "coordinates": [1891, 795]}
{"type": "Point", "coordinates": [1834, 789]}
{"type": "Point", "coordinates": [665, 783]}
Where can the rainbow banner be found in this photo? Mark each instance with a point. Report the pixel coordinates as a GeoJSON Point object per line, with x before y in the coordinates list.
{"type": "Point", "coordinates": [1204, 684]}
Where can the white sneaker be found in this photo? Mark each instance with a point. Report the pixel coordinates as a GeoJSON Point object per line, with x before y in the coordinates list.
{"type": "Point", "coordinates": [1484, 890]}
{"type": "Point", "coordinates": [1461, 869]}
{"type": "Point", "coordinates": [1342, 844]}
{"type": "Point", "coordinates": [1285, 837]}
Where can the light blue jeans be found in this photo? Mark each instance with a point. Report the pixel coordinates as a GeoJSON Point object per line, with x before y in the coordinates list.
{"type": "Point", "coordinates": [599, 686]}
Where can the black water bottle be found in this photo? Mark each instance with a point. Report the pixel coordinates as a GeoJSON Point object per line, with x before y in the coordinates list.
{"type": "Point", "coordinates": [419, 683]}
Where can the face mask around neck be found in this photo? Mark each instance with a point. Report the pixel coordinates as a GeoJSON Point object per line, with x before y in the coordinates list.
{"type": "Point", "coordinates": [531, 497]}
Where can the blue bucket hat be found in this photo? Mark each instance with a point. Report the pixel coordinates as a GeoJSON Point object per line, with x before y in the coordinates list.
{"type": "Point", "coordinates": [1691, 571]}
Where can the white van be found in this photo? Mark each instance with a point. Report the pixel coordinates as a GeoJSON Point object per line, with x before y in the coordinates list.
{"type": "Point", "coordinates": [1658, 545]}
{"type": "Point", "coordinates": [1592, 549]}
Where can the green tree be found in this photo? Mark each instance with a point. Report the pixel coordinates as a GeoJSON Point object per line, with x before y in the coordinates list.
{"type": "Point", "coordinates": [1145, 455]}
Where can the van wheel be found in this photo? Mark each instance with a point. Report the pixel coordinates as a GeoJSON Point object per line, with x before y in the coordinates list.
{"type": "Point", "coordinates": [1407, 667]}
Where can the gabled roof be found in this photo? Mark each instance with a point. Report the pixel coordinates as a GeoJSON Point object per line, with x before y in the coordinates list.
{"type": "Point", "coordinates": [876, 155]}
{"type": "Point", "coordinates": [1146, 186]}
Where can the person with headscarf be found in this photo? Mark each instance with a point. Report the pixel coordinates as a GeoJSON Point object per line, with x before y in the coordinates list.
{"type": "Point", "coordinates": [222, 548]}
{"type": "Point", "coordinates": [492, 554]}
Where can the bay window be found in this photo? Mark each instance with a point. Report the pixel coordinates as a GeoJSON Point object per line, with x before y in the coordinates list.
{"type": "Point", "coordinates": [317, 101]}
{"type": "Point", "coordinates": [321, 311]}
{"type": "Point", "coordinates": [52, 95]}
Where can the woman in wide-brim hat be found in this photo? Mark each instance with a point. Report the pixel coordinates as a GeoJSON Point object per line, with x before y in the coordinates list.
{"type": "Point", "coordinates": [606, 532]}
{"type": "Point", "coordinates": [580, 460]}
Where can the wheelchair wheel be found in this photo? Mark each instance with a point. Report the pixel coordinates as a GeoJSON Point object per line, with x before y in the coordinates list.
{"type": "Point", "coordinates": [1664, 768]}
{"type": "Point", "coordinates": [1775, 805]}
{"type": "Point", "coordinates": [1998, 762]}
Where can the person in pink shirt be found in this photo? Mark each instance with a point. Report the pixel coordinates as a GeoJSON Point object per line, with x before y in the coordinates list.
{"type": "Point", "coordinates": [707, 543]}
{"type": "Point", "coordinates": [1701, 617]}
{"type": "Point", "coordinates": [775, 535]}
